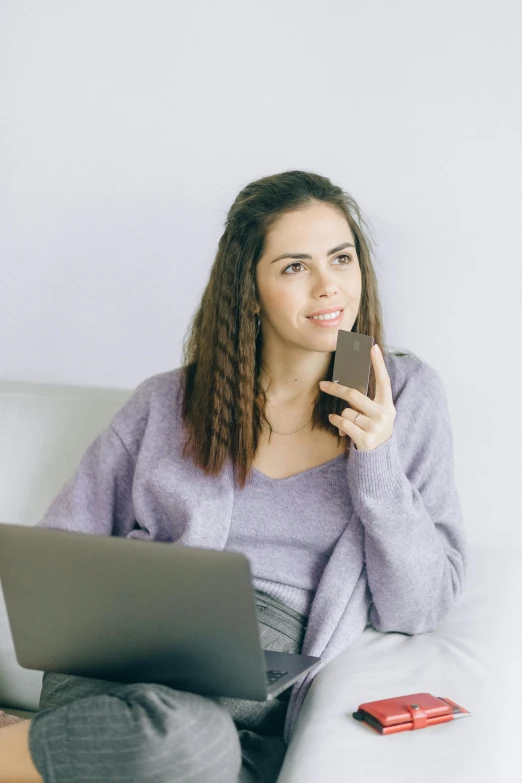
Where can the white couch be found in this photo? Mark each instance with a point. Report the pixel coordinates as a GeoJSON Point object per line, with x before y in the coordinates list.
{"type": "Point", "coordinates": [474, 657]}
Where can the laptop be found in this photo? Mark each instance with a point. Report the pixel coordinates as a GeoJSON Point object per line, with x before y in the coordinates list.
{"type": "Point", "coordinates": [128, 610]}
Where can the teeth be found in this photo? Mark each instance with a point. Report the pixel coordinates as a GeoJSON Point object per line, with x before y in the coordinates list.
{"type": "Point", "coordinates": [327, 316]}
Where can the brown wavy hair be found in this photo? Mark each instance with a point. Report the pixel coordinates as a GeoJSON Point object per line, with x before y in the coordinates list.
{"type": "Point", "coordinates": [223, 403]}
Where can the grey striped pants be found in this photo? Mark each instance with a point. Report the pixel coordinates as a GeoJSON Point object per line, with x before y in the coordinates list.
{"type": "Point", "coordinates": [95, 730]}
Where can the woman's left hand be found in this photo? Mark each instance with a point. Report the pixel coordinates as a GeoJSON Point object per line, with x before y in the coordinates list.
{"type": "Point", "coordinates": [375, 424]}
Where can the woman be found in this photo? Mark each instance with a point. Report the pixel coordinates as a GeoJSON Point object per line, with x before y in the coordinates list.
{"type": "Point", "coordinates": [336, 536]}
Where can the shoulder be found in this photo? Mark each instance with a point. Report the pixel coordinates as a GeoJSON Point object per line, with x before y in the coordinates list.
{"type": "Point", "coordinates": [423, 427]}
{"type": "Point", "coordinates": [159, 389]}
{"type": "Point", "coordinates": [156, 397]}
{"type": "Point", "coordinates": [412, 379]}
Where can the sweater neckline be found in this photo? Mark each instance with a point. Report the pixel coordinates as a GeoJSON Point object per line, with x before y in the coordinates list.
{"type": "Point", "coordinates": [302, 473]}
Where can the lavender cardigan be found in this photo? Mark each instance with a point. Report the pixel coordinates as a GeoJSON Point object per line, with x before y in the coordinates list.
{"type": "Point", "coordinates": [400, 561]}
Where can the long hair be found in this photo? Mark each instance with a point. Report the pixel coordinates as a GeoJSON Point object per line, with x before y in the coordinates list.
{"type": "Point", "coordinates": [223, 403]}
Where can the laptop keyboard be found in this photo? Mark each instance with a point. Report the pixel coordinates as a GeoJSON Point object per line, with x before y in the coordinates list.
{"type": "Point", "coordinates": [272, 675]}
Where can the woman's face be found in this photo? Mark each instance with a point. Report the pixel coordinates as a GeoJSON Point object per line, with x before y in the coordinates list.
{"type": "Point", "coordinates": [291, 289]}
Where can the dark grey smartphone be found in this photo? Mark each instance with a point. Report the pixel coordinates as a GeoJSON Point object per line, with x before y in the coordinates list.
{"type": "Point", "coordinates": [352, 360]}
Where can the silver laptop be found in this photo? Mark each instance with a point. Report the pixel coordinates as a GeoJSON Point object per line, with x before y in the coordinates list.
{"type": "Point", "coordinates": [126, 610]}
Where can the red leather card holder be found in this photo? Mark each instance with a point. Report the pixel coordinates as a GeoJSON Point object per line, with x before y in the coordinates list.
{"type": "Point", "coordinates": [407, 713]}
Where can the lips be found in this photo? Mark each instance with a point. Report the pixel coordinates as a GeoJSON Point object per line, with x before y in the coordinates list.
{"type": "Point", "coordinates": [328, 312]}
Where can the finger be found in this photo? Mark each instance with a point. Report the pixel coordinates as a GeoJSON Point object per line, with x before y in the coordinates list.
{"type": "Point", "coordinates": [340, 421]}
{"type": "Point", "coordinates": [358, 401]}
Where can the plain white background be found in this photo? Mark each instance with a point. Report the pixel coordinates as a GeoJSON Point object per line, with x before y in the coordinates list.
{"type": "Point", "coordinates": [128, 128]}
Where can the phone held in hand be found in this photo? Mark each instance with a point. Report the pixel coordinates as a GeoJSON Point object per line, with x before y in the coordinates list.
{"type": "Point", "coordinates": [352, 360]}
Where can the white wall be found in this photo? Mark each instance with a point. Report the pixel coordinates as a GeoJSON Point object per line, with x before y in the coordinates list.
{"type": "Point", "coordinates": [128, 128]}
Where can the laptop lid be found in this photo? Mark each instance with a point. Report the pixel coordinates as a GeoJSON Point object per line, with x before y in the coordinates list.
{"type": "Point", "coordinates": [127, 610]}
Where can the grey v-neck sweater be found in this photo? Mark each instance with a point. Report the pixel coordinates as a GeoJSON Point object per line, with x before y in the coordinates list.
{"type": "Point", "coordinates": [376, 538]}
{"type": "Point", "coordinates": [288, 528]}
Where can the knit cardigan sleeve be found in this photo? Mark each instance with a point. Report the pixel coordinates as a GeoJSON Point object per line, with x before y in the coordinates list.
{"type": "Point", "coordinates": [405, 495]}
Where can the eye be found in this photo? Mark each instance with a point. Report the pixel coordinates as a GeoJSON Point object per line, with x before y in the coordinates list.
{"type": "Point", "coordinates": [298, 263]}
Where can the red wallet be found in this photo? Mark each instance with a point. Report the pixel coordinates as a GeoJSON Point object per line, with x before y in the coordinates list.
{"type": "Point", "coordinates": [405, 713]}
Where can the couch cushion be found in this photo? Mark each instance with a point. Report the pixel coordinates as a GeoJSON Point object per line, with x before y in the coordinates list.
{"type": "Point", "coordinates": [474, 657]}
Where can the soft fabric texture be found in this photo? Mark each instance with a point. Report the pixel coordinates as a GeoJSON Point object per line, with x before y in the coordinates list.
{"type": "Point", "coordinates": [295, 520]}
{"type": "Point", "coordinates": [399, 562]}
{"type": "Point", "coordinates": [136, 732]}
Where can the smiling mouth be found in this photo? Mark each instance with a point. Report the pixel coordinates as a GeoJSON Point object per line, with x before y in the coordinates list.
{"type": "Point", "coordinates": [326, 316]}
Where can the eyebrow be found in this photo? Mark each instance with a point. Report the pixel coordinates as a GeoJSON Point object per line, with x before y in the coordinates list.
{"type": "Point", "coordinates": [304, 255]}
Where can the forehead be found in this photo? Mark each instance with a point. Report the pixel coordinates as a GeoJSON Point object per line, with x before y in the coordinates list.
{"type": "Point", "coordinates": [317, 223]}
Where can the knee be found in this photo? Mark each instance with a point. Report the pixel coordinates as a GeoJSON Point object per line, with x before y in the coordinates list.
{"type": "Point", "coordinates": [182, 732]}
{"type": "Point", "coordinates": [61, 689]}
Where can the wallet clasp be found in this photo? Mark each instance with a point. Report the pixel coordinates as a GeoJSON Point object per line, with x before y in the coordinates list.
{"type": "Point", "coordinates": [418, 716]}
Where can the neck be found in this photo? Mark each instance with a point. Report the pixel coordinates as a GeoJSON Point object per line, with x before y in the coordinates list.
{"type": "Point", "coordinates": [294, 384]}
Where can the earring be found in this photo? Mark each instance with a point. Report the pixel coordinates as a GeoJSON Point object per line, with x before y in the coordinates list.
{"type": "Point", "coordinates": [257, 319]}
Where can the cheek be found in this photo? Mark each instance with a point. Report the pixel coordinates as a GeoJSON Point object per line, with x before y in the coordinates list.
{"type": "Point", "coordinates": [283, 304]}
{"type": "Point", "coordinates": [353, 292]}
{"type": "Point", "coordinates": [354, 298]}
